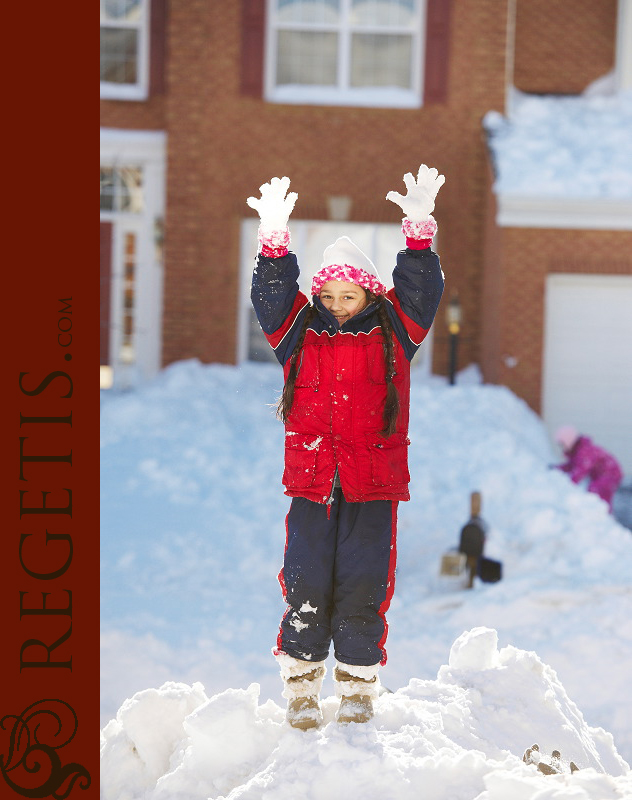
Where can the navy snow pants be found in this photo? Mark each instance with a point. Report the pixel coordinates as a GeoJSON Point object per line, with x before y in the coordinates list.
{"type": "Point", "coordinates": [338, 578]}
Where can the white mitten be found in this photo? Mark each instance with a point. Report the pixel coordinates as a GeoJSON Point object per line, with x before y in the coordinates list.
{"type": "Point", "coordinates": [273, 207]}
{"type": "Point", "coordinates": [419, 201]}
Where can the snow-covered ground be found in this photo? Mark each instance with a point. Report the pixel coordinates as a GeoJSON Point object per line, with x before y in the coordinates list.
{"type": "Point", "coordinates": [192, 539]}
{"type": "Point", "coordinates": [570, 147]}
{"type": "Point", "coordinates": [455, 737]}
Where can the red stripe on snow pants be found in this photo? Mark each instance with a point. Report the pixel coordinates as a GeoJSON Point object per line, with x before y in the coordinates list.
{"type": "Point", "coordinates": [338, 575]}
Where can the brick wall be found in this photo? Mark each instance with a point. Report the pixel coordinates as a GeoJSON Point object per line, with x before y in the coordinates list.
{"type": "Point", "coordinates": [223, 145]}
{"type": "Point", "coordinates": [519, 278]}
{"type": "Point", "coordinates": [147, 115]}
{"type": "Point", "coordinates": [563, 45]}
{"type": "Point", "coordinates": [489, 310]}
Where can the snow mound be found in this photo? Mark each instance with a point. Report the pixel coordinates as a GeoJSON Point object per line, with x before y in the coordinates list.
{"type": "Point", "coordinates": [460, 736]}
{"type": "Point", "coordinates": [192, 498]}
{"type": "Point", "coordinates": [563, 146]}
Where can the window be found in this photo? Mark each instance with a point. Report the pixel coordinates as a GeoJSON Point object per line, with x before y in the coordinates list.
{"type": "Point", "coordinates": [380, 241]}
{"type": "Point", "coordinates": [345, 52]}
{"type": "Point", "coordinates": [124, 49]}
{"type": "Point", "coordinates": [121, 189]}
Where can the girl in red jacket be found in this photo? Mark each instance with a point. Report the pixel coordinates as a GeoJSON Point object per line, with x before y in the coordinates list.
{"type": "Point", "coordinates": [345, 404]}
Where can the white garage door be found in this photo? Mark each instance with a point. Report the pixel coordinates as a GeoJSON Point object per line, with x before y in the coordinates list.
{"type": "Point", "coordinates": [587, 376]}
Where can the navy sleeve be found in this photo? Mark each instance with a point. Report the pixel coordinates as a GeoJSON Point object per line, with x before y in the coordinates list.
{"type": "Point", "coordinates": [417, 289]}
{"type": "Point", "coordinates": [279, 305]}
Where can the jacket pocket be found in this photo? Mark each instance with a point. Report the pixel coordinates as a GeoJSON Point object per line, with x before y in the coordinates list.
{"type": "Point", "coordinates": [308, 368]}
{"type": "Point", "coordinates": [301, 451]}
{"type": "Point", "coordinates": [389, 459]}
{"type": "Point", "coordinates": [375, 365]}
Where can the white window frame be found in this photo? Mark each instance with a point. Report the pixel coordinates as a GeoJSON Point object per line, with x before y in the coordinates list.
{"type": "Point", "coordinates": [140, 89]}
{"type": "Point", "coordinates": [380, 241]}
{"type": "Point", "coordinates": [342, 93]}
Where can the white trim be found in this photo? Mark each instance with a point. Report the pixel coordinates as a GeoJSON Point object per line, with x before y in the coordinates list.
{"type": "Point", "coordinates": [521, 211]}
{"type": "Point", "coordinates": [342, 94]}
{"type": "Point", "coordinates": [378, 97]}
{"type": "Point", "coordinates": [121, 91]}
{"type": "Point", "coordinates": [145, 149]}
{"type": "Point", "coordinates": [118, 145]}
{"type": "Point", "coordinates": [140, 89]}
{"type": "Point", "coordinates": [623, 57]}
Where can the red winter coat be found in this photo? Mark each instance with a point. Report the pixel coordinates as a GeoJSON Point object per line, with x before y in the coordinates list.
{"type": "Point", "coordinates": [340, 388]}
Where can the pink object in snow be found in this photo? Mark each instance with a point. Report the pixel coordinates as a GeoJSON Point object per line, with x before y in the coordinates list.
{"type": "Point", "coordinates": [586, 460]}
{"type": "Point", "coordinates": [566, 436]}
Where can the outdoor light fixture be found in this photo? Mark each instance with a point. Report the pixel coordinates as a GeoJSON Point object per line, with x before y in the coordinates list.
{"type": "Point", "coordinates": [338, 207]}
{"type": "Point", "coordinates": [453, 317]}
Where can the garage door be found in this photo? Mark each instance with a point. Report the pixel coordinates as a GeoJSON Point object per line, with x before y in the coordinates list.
{"type": "Point", "coordinates": [587, 376]}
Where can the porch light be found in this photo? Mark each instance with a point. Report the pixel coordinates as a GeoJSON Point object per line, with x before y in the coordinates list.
{"type": "Point", "coordinates": [453, 318]}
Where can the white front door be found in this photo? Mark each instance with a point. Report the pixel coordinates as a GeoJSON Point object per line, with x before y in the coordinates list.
{"type": "Point", "coordinates": [132, 209]}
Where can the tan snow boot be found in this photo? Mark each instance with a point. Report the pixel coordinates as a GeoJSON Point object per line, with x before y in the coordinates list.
{"type": "Point", "coordinates": [303, 681]}
{"type": "Point", "coordinates": [357, 691]}
{"type": "Point", "coordinates": [304, 713]}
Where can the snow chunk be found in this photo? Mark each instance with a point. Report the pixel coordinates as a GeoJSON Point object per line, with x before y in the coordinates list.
{"type": "Point", "coordinates": [298, 624]}
{"type": "Point", "coordinates": [140, 742]}
{"type": "Point", "coordinates": [475, 649]}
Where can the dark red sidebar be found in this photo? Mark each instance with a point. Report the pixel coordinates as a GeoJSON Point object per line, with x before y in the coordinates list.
{"type": "Point", "coordinates": [49, 588]}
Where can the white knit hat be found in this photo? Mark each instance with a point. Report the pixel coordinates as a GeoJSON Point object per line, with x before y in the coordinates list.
{"type": "Point", "coordinates": [344, 261]}
{"type": "Point", "coordinates": [566, 436]}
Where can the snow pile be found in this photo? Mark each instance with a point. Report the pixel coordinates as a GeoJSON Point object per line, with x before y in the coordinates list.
{"type": "Point", "coordinates": [572, 147]}
{"type": "Point", "coordinates": [460, 736]}
{"type": "Point", "coordinates": [193, 533]}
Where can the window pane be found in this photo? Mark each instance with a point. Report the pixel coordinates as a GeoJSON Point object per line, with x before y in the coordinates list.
{"type": "Point", "coordinates": [130, 190]}
{"type": "Point", "coordinates": [107, 189]}
{"type": "Point", "coordinates": [380, 60]}
{"type": "Point", "coordinates": [309, 59]}
{"type": "Point", "coordinates": [119, 55]}
{"type": "Point", "coordinates": [122, 189]}
{"type": "Point", "coordinates": [309, 11]}
{"type": "Point", "coordinates": [128, 10]}
{"type": "Point", "coordinates": [383, 12]}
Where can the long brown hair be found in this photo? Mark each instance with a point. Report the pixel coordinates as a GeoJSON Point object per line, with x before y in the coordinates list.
{"type": "Point", "coordinates": [287, 396]}
{"type": "Point", "coordinates": [391, 404]}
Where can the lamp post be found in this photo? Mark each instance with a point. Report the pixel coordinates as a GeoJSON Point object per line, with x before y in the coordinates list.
{"type": "Point", "coordinates": [453, 316]}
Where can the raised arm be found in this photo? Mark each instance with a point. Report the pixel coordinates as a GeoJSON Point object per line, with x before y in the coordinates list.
{"type": "Point", "coordinates": [278, 303]}
{"type": "Point", "coordinates": [417, 277]}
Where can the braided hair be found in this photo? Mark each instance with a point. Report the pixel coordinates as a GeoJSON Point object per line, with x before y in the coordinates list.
{"type": "Point", "coordinates": [287, 396]}
{"type": "Point", "coordinates": [391, 404]}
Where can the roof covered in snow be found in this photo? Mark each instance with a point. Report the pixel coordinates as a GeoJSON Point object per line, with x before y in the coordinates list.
{"type": "Point", "coordinates": [577, 147]}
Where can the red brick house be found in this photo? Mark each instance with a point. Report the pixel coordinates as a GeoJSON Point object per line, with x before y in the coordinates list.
{"type": "Point", "coordinates": [203, 101]}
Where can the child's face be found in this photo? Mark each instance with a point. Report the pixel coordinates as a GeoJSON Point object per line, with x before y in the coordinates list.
{"type": "Point", "coordinates": [344, 300]}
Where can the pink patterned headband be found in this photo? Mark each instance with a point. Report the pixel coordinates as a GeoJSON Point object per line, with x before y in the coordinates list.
{"type": "Point", "coordinates": [347, 274]}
